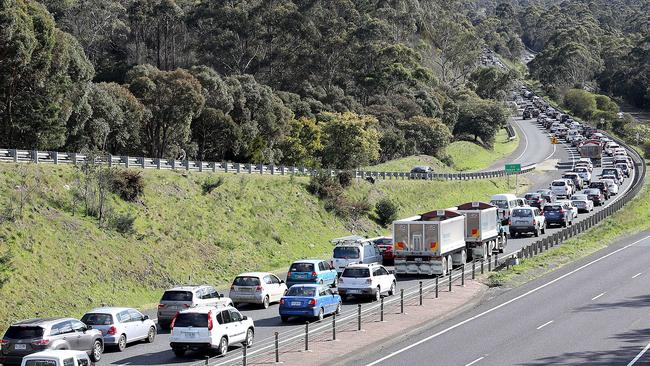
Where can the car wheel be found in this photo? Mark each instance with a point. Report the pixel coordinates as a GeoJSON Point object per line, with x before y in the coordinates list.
{"type": "Point", "coordinates": [338, 308]}
{"type": "Point", "coordinates": [378, 294]}
{"type": "Point", "coordinates": [536, 232]}
{"type": "Point", "coordinates": [179, 352]}
{"type": "Point", "coordinates": [391, 292]}
{"type": "Point", "coordinates": [543, 230]}
{"type": "Point", "coordinates": [98, 349]}
{"type": "Point", "coordinates": [265, 302]}
{"type": "Point", "coordinates": [249, 337]}
{"type": "Point", "coordinates": [321, 314]}
{"type": "Point", "coordinates": [563, 223]}
{"type": "Point", "coordinates": [121, 343]}
{"type": "Point", "coordinates": [284, 319]}
{"type": "Point", "coordinates": [320, 282]}
{"type": "Point", "coordinates": [151, 336]}
{"type": "Point", "coordinates": [335, 283]}
{"type": "Point", "coordinates": [223, 346]}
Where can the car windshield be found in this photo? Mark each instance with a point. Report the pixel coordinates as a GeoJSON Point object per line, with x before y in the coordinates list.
{"type": "Point", "coordinates": [195, 320]}
{"type": "Point", "coordinates": [609, 171]}
{"type": "Point", "coordinates": [522, 213]}
{"type": "Point", "coordinates": [302, 267]}
{"type": "Point", "coordinates": [592, 191]}
{"type": "Point", "coordinates": [552, 208]}
{"type": "Point", "coordinates": [246, 281]}
{"type": "Point", "coordinates": [40, 363]}
{"type": "Point", "coordinates": [97, 319]}
{"type": "Point", "coordinates": [500, 203]}
{"type": "Point", "coordinates": [302, 291]}
{"type": "Point", "coordinates": [177, 296]}
{"type": "Point", "coordinates": [356, 272]}
{"type": "Point", "coordinates": [532, 196]}
{"type": "Point", "coordinates": [17, 332]}
{"type": "Point", "coordinates": [579, 197]}
{"type": "Point", "coordinates": [384, 241]}
{"type": "Point", "coordinates": [346, 252]}
{"type": "Point", "coordinates": [558, 184]}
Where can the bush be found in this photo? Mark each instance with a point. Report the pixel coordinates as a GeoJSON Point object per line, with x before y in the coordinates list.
{"type": "Point", "coordinates": [386, 211]}
{"type": "Point", "coordinates": [345, 178]}
{"type": "Point", "coordinates": [123, 223]}
{"type": "Point", "coordinates": [128, 184]}
{"type": "Point", "coordinates": [211, 184]}
{"type": "Point", "coordinates": [324, 186]}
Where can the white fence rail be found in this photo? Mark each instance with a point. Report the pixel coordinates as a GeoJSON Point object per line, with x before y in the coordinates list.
{"type": "Point", "coordinates": [54, 157]}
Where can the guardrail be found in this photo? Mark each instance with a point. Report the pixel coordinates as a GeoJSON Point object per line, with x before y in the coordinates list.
{"type": "Point", "coordinates": [54, 157]}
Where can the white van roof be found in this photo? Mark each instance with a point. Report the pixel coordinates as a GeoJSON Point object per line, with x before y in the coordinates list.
{"type": "Point", "coordinates": [503, 196]}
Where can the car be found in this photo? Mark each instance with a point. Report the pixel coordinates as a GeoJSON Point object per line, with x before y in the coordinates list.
{"type": "Point", "coordinates": [547, 194]}
{"type": "Point", "coordinates": [183, 297]}
{"type": "Point", "coordinates": [313, 271]}
{"type": "Point", "coordinates": [506, 202]}
{"type": "Point", "coordinates": [562, 188]}
{"type": "Point", "coordinates": [557, 214]}
{"type": "Point", "coordinates": [527, 114]}
{"type": "Point", "coordinates": [120, 326]}
{"type": "Point", "coordinates": [209, 328]}
{"type": "Point", "coordinates": [366, 280]}
{"type": "Point", "coordinates": [611, 186]}
{"type": "Point", "coordinates": [582, 202]}
{"type": "Point", "coordinates": [602, 186]}
{"type": "Point", "coordinates": [615, 172]}
{"type": "Point", "coordinates": [585, 164]}
{"type": "Point", "coordinates": [35, 335]}
{"type": "Point", "coordinates": [568, 205]}
{"type": "Point", "coordinates": [527, 220]}
{"type": "Point", "coordinates": [612, 177]}
{"type": "Point", "coordinates": [534, 199]}
{"type": "Point", "coordinates": [309, 301]}
{"type": "Point", "coordinates": [385, 245]}
{"type": "Point", "coordinates": [57, 358]}
{"type": "Point", "coordinates": [624, 168]}
{"type": "Point", "coordinates": [595, 195]}
{"type": "Point", "coordinates": [575, 178]}
{"type": "Point", "coordinates": [260, 288]}
{"type": "Point", "coordinates": [421, 171]}
{"type": "Point", "coordinates": [354, 249]}
{"type": "Point", "coordinates": [584, 173]}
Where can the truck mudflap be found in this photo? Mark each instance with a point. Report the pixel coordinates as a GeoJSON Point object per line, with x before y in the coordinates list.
{"type": "Point", "coordinates": [419, 268]}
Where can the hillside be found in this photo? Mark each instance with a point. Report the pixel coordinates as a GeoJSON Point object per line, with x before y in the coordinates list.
{"type": "Point", "coordinates": [54, 262]}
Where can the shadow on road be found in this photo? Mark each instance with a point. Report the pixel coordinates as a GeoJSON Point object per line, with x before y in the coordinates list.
{"type": "Point", "coordinates": [642, 301]}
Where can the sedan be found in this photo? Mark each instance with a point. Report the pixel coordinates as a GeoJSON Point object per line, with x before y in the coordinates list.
{"type": "Point", "coordinates": [309, 301]}
{"type": "Point", "coordinates": [582, 202]}
{"type": "Point", "coordinates": [568, 205]}
{"type": "Point", "coordinates": [120, 326]}
{"type": "Point", "coordinates": [260, 288]}
{"type": "Point", "coordinates": [611, 186]}
{"type": "Point", "coordinates": [595, 195]}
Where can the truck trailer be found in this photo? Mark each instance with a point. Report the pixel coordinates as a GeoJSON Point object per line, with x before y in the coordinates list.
{"type": "Point", "coordinates": [484, 233]}
{"type": "Point", "coordinates": [593, 150]}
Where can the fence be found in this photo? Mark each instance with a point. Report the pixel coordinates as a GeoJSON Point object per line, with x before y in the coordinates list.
{"type": "Point", "coordinates": [53, 157]}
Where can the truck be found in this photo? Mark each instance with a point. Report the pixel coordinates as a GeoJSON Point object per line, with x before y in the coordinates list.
{"type": "Point", "coordinates": [429, 244]}
{"type": "Point", "coordinates": [483, 230]}
{"type": "Point", "coordinates": [593, 150]}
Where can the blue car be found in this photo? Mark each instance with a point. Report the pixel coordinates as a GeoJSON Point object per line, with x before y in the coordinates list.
{"type": "Point", "coordinates": [314, 271]}
{"type": "Point", "coordinates": [309, 301]}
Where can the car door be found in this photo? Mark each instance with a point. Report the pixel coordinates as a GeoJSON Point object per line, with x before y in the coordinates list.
{"type": "Point", "coordinates": [238, 328]}
{"type": "Point", "coordinates": [278, 286]}
{"type": "Point", "coordinates": [328, 273]}
{"type": "Point", "coordinates": [124, 319]}
{"type": "Point", "coordinates": [386, 282]}
{"type": "Point", "coordinates": [224, 319]}
{"type": "Point", "coordinates": [138, 328]}
{"type": "Point", "coordinates": [84, 339]}
{"type": "Point", "coordinates": [325, 300]}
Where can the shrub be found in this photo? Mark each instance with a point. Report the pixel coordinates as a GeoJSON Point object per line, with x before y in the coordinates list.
{"type": "Point", "coordinates": [386, 211]}
{"type": "Point", "coordinates": [211, 184]}
{"type": "Point", "coordinates": [128, 184]}
{"type": "Point", "coordinates": [123, 223]}
{"type": "Point", "coordinates": [323, 185]}
{"type": "Point", "coordinates": [345, 178]}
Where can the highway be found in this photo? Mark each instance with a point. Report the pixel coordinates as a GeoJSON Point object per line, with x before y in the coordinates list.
{"type": "Point", "coordinates": [267, 321]}
{"type": "Point", "coordinates": [592, 312]}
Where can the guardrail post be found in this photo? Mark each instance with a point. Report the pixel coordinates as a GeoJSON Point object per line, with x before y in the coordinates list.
{"type": "Point", "coordinates": [74, 158]}
{"type": "Point", "coordinates": [173, 164]}
{"type": "Point", "coordinates": [277, 347]}
{"type": "Point", "coordinates": [450, 275]}
{"type": "Point", "coordinates": [334, 324]}
{"type": "Point", "coordinates": [126, 161]}
{"type": "Point", "coordinates": [473, 269]}
{"type": "Point", "coordinates": [55, 157]}
{"type": "Point", "coordinates": [381, 310]}
{"type": "Point", "coordinates": [237, 167]}
{"type": "Point", "coordinates": [401, 301]}
{"type": "Point", "coordinates": [496, 260]}
{"type": "Point", "coordinates": [489, 263]}
{"type": "Point", "coordinates": [244, 351]}
{"type": "Point", "coordinates": [14, 154]}
{"type": "Point", "coordinates": [462, 276]}
{"type": "Point", "coordinates": [358, 317]}
{"type": "Point", "coordinates": [420, 293]}
{"type": "Point", "coordinates": [306, 336]}
{"type": "Point", "coordinates": [34, 154]}
{"type": "Point", "coordinates": [482, 263]}
{"type": "Point", "coordinates": [144, 164]}
{"type": "Point", "coordinates": [437, 278]}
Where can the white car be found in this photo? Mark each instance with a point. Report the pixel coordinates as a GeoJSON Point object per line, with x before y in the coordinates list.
{"type": "Point", "coordinates": [257, 288]}
{"type": "Point", "coordinates": [613, 177]}
{"type": "Point", "coordinates": [57, 358]}
{"type": "Point", "coordinates": [612, 187]}
{"type": "Point", "coordinates": [561, 188]}
{"type": "Point", "coordinates": [185, 297]}
{"type": "Point", "coordinates": [209, 328]}
{"type": "Point", "coordinates": [120, 326]}
{"type": "Point", "coordinates": [582, 202]}
{"type": "Point", "coordinates": [368, 280]}
{"type": "Point", "coordinates": [584, 173]}
{"type": "Point", "coordinates": [568, 204]}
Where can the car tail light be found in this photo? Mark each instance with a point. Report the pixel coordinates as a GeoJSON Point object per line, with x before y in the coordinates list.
{"type": "Point", "coordinates": [161, 306]}
{"type": "Point", "coordinates": [3, 343]}
{"type": "Point", "coordinates": [562, 211]}
{"type": "Point", "coordinates": [232, 288]}
{"type": "Point", "coordinates": [312, 302]}
{"type": "Point", "coordinates": [41, 342]}
{"type": "Point", "coordinates": [509, 222]}
{"type": "Point", "coordinates": [314, 274]}
{"type": "Point", "coordinates": [111, 331]}
{"type": "Point", "coordinates": [186, 305]}
{"type": "Point", "coordinates": [171, 326]}
{"type": "Point", "coordinates": [281, 301]}
{"type": "Point", "coordinates": [288, 274]}
{"type": "Point", "coordinates": [210, 324]}
{"type": "Point", "coordinates": [258, 289]}
{"type": "Point", "coordinates": [534, 222]}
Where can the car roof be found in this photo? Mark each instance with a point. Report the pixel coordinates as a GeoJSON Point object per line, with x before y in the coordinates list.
{"type": "Point", "coordinates": [311, 261]}
{"type": "Point", "coordinates": [109, 310]}
{"type": "Point", "coordinates": [40, 321]}
{"type": "Point", "coordinates": [55, 354]}
{"type": "Point", "coordinates": [362, 265]}
{"type": "Point", "coordinates": [254, 274]}
{"type": "Point", "coordinates": [204, 309]}
{"type": "Point", "coordinates": [190, 288]}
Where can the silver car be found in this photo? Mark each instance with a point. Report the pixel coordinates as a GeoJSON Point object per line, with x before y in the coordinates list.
{"type": "Point", "coordinates": [582, 202]}
{"type": "Point", "coordinates": [527, 220]}
{"type": "Point", "coordinates": [185, 297]}
{"type": "Point", "coordinates": [120, 326]}
{"type": "Point", "coordinates": [257, 288]}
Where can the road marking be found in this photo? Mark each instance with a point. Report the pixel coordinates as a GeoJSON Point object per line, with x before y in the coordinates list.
{"type": "Point", "coordinates": [523, 132]}
{"type": "Point", "coordinates": [393, 354]}
{"type": "Point", "coordinates": [595, 297]}
{"type": "Point", "coordinates": [545, 324]}
{"type": "Point", "coordinates": [552, 153]}
{"type": "Point", "coordinates": [475, 361]}
{"type": "Point", "coordinates": [637, 275]}
{"type": "Point", "coordinates": [643, 351]}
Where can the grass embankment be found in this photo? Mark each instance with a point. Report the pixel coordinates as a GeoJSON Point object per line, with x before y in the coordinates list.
{"type": "Point", "coordinates": [634, 218]}
{"type": "Point", "coordinates": [54, 262]}
{"type": "Point", "coordinates": [465, 155]}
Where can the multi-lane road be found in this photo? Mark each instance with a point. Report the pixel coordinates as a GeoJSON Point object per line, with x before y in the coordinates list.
{"type": "Point", "coordinates": [534, 148]}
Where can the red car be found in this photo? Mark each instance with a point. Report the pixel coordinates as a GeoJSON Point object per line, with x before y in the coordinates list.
{"type": "Point", "coordinates": [385, 246]}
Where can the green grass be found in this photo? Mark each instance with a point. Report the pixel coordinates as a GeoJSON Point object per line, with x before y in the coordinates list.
{"type": "Point", "coordinates": [55, 263]}
{"type": "Point", "coordinates": [407, 163]}
{"type": "Point", "coordinates": [470, 156]}
{"type": "Point", "coordinates": [634, 218]}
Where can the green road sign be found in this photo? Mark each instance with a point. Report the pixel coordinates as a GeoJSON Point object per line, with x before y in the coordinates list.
{"type": "Point", "coordinates": [513, 168]}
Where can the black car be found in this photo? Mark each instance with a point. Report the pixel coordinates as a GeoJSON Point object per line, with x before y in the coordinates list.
{"type": "Point", "coordinates": [602, 186]}
{"type": "Point", "coordinates": [527, 114]}
{"type": "Point", "coordinates": [421, 172]}
{"type": "Point", "coordinates": [534, 199]}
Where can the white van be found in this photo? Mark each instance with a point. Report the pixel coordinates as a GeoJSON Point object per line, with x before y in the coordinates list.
{"type": "Point", "coordinates": [353, 250]}
{"type": "Point", "coordinates": [561, 188]}
{"type": "Point", "coordinates": [505, 203]}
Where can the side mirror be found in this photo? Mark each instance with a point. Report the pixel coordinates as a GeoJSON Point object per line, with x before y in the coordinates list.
{"type": "Point", "coordinates": [391, 271]}
{"type": "Point", "coordinates": [282, 281]}
{"type": "Point", "coordinates": [146, 317]}
{"type": "Point", "coordinates": [244, 317]}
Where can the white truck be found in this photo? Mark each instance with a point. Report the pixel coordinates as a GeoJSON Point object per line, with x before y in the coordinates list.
{"type": "Point", "coordinates": [430, 243]}
{"type": "Point", "coordinates": [483, 230]}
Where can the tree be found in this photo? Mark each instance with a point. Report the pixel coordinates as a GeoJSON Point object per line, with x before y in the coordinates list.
{"type": "Point", "coordinates": [302, 145]}
{"type": "Point", "coordinates": [350, 140]}
{"type": "Point", "coordinates": [480, 118]}
{"type": "Point", "coordinates": [580, 102]}
{"type": "Point", "coordinates": [216, 135]}
{"type": "Point", "coordinates": [426, 136]}
{"type": "Point", "coordinates": [492, 83]}
{"type": "Point", "coordinates": [173, 98]}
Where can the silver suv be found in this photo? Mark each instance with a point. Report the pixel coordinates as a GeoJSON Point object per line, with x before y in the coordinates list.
{"type": "Point", "coordinates": [185, 297]}
{"type": "Point", "coordinates": [527, 220]}
{"type": "Point", "coordinates": [35, 335]}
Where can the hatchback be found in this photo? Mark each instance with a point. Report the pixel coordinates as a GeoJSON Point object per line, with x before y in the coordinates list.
{"type": "Point", "coordinates": [309, 301]}
{"type": "Point", "coordinates": [184, 297]}
{"type": "Point", "coordinates": [595, 195]}
{"type": "Point", "coordinates": [557, 215]}
{"type": "Point", "coordinates": [57, 358]}
{"type": "Point", "coordinates": [314, 271]}
{"type": "Point", "coordinates": [257, 288]}
{"type": "Point", "coordinates": [367, 280]}
{"type": "Point", "coordinates": [120, 326]}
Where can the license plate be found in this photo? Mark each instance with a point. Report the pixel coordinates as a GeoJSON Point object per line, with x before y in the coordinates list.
{"type": "Point", "coordinates": [189, 334]}
{"type": "Point", "coordinates": [300, 276]}
{"type": "Point", "coordinates": [245, 289]}
{"type": "Point", "coordinates": [354, 291]}
{"type": "Point", "coordinates": [20, 346]}
{"type": "Point", "coordinates": [296, 303]}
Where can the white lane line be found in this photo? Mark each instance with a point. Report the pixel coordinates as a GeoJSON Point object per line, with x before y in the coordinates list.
{"type": "Point", "coordinates": [545, 324]}
{"type": "Point", "coordinates": [643, 351]}
{"type": "Point", "coordinates": [637, 275]}
{"type": "Point", "coordinates": [468, 320]}
{"type": "Point", "coordinates": [475, 361]}
{"type": "Point", "coordinates": [523, 132]}
{"type": "Point", "coordinates": [552, 153]}
{"type": "Point", "coordinates": [595, 297]}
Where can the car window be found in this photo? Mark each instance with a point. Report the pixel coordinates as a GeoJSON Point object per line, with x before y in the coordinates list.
{"type": "Point", "coordinates": [17, 332]}
{"type": "Point", "coordinates": [500, 203]}
{"type": "Point", "coordinates": [328, 292]}
{"type": "Point", "coordinates": [246, 281]}
{"type": "Point", "coordinates": [267, 280]}
{"type": "Point", "coordinates": [195, 320]}
{"type": "Point", "coordinates": [65, 327]}
{"type": "Point", "coordinates": [322, 292]}
{"type": "Point", "coordinates": [40, 363]}
{"type": "Point", "coordinates": [83, 362]}
{"type": "Point", "coordinates": [235, 316]}
{"type": "Point", "coordinates": [78, 326]}
{"type": "Point", "coordinates": [123, 316]}
{"type": "Point", "coordinates": [522, 213]}
{"type": "Point", "coordinates": [552, 208]}
{"type": "Point", "coordinates": [356, 273]}
{"type": "Point", "coordinates": [321, 267]}
{"type": "Point", "coordinates": [68, 361]}
{"type": "Point", "coordinates": [135, 315]}
{"type": "Point", "coordinates": [177, 296]}
{"type": "Point", "coordinates": [558, 184]}
{"type": "Point", "coordinates": [97, 319]}
{"type": "Point", "coordinates": [275, 279]}
{"type": "Point", "coordinates": [326, 266]}
{"type": "Point", "coordinates": [301, 291]}
{"type": "Point", "coordinates": [223, 317]}
{"type": "Point", "coordinates": [383, 271]}
{"type": "Point", "coordinates": [302, 267]}
{"type": "Point", "coordinates": [346, 252]}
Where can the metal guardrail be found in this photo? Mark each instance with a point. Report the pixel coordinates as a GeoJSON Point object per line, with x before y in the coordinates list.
{"type": "Point", "coordinates": [54, 157]}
